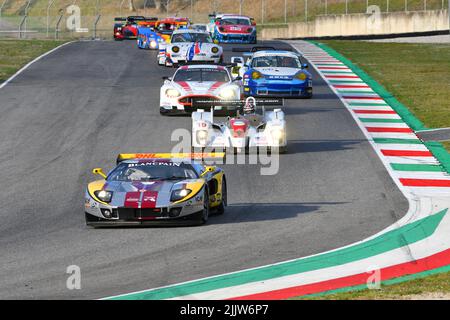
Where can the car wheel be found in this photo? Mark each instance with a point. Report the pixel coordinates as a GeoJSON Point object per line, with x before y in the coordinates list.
{"type": "Point", "coordinates": [204, 214]}
{"type": "Point", "coordinates": [224, 203]}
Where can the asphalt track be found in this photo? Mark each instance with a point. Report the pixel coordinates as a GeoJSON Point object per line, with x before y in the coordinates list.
{"type": "Point", "coordinates": [80, 106]}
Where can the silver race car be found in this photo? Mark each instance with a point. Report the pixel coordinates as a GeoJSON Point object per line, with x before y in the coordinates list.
{"type": "Point", "coordinates": [187, 45]}
{"type": "Point", "coordinates": [194, 86]}
{"type": "Point", "coordinates": [249, 132]}
{"type": "Point", "coordinates": [151, 188]}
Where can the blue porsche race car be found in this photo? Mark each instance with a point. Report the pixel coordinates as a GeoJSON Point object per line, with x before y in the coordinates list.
{"type": "Point", "coordinates": [276, 73]}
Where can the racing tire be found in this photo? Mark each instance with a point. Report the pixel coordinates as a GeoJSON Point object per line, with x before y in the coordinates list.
{"type": "Point", "coordinates": [283, 150]}
{"type": "Point", "coordinates": [223, 205]}
{"type": "Point", "coordinates": [203, 216]}
{"type": "Point", "coordinates": [164, 112]}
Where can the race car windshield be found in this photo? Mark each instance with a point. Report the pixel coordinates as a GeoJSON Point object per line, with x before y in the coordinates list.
{"type": "Point", "coordinates": [166, 27]}
{"type": "Point", "coordinates": [192, 37]}
{"type": "Point", "coordinates": [151, 170]}
{"type": "Point", "coordinates": [234, 21]}
{"type": "Point", "coordinates": [200, 27]}
{"type": "Point", "coordinates": [276, 62]}
{"type": "Point", "coordinates": [201, 75]}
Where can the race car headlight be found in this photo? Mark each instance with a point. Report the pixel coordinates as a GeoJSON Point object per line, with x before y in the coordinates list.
{"type": "Point", "coordinates": [153, 44]}
{"type": "Point", "coordinates": [172, 93]}
{"type": "Point", "coordinates": [177, 195]}
{"type": "Point", "coordinates": [176, 49]}
{"type": "Point", "coordinates": [301, 76]}
{"type": "Point", "coordinates": [250, 30]}
{"type": "Point", "coordinates": [103, 195]}
{"type": "Point", "coordinates": [257, 75]}
{"type": "Point", "coordinates": [277, 134]}
{"type": "Point", "coordinates": [227, 94]}
{"type": "Point", "coordinates": [202, 136]}
{"type": "Point", "coordinates": [214, 49]}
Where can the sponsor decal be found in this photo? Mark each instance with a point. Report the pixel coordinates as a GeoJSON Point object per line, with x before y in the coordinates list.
{"type": "Point", "coordinates": [132, 200]}
{"type": "Point", "coordinates": [149, 199]}
{"type": "Point", "coordinates": [156, 163]}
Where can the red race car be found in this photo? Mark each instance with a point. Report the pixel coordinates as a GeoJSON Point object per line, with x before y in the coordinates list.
{"type": "Point", "coordinates": [127, 28]}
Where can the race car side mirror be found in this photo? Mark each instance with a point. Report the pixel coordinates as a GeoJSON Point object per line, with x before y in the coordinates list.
{"type": "Point", "coordinates": [99, 172]}
{"type": "Point", "coordinates": [208, 170]}
{"type": "Point", "coordinates": [238, 78]}
{"type": "Point", "coordinates": [305, 66]}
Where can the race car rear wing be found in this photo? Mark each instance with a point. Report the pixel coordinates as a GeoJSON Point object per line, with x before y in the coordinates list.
{"type": "Point", "coordinates": [260, 48]}
{"type": "Point", "coordinates": [253, 49]}
{"type": "Point", "coordinates": [192, 155]}
{"type": "Point", "coordinates": [120, 19]}
{"type": "Point", "coordinates": [193, 63]}
{"type": "Point", "coordinates": [237, 104]}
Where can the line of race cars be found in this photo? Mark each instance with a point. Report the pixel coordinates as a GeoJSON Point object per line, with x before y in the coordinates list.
{"type": "Point", "coordinates": [179, 188]}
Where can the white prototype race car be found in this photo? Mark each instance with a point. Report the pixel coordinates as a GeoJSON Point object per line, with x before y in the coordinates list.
{"type": "Point", "coordinates": [187, 45]}
{"type": "Point", "coordinates": [248, 132]}
{"type": "Point", "coordinates": [199, 86]}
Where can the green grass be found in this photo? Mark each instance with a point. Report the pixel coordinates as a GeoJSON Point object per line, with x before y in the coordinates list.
{"type": "Point", "coordinates": [418, 75]}
{"type": "Point", "coordinates": [14, 54]}
{"type": "Point", "coordinates": [446, 145]}
{"type": "Point", "coordinates": [418, 288]}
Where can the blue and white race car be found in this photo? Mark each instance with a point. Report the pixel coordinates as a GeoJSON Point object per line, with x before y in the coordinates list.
{"type": "Point", "coordinates": [148, 38]}
{"type": "Point", "coordinates": [234, 29]}
{"type": "Point", "coordinates": [276, 73]}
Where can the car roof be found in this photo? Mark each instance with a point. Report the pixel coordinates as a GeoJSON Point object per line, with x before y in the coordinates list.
{"type": "Point", "coordinates": [203, 66]}
{"type": "Point", "coordinates": [189, 31]}
{"type": "Point", "coordinates": [234, 16]}
{"type": "Point", "coordinates": [274, 53]}
{"type": "Point", "coordinates": [173, 160]}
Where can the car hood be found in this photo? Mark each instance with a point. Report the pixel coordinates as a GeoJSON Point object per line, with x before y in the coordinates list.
{"type": "Point", "coordinates": [201, 88]}
{"type": "Point", "coordinates": [271, 71]}
{"type": "Point", "coordinates": [139, 194]}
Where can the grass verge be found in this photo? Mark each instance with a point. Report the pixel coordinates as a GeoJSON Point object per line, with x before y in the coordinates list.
{"type": "Point", "coordinates": [435, 286]}
{"type": "Point", "coordinates": [446, 145]}
{"type": "Point", "coordinates": [418, 75]}
{"type": "Point", "coordinates": [14, 54]}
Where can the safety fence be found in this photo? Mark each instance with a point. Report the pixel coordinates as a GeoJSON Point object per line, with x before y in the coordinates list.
{"type": "Point", "coordinates": [95, 18]}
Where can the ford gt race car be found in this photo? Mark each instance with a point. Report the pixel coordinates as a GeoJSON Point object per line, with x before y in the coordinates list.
{"type": "Point", "coordinates": [235, 29]}
{"type": "Point", "coordinates": [251, 131]}
{"type": "Point", "coordinates": [189, 45]}
{"type": "Point", "coordinates": [151, 188]}
{"type": "Point", "coordinates": [192, 84]}
{"type": "Point", "coordinates": [276, 73]}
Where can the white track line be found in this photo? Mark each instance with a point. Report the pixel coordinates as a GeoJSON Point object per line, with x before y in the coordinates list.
{"type": "Point", "coordinates": [30, 63]}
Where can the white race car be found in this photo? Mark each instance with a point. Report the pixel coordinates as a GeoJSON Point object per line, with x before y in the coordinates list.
{"type": "Point", "coordinates": [188, 45]}
{"type": "Point", "coordinates": [199, 86]}
{"type": "Point", "coordinates": [243, 133]}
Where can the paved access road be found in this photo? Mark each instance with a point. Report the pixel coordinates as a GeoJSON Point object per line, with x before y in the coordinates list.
{"type": "Point", "coordinates": [79, 107]}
